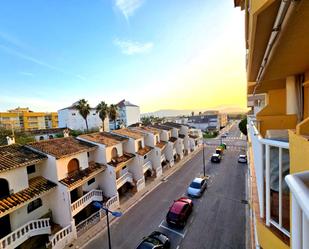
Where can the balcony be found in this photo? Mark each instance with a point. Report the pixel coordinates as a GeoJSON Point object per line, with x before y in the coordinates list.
{"type": "Point", "coordinates": [126, 177]}
{"type": "Point", "coordinates": [63, 237]}
{"type": "Point", "coordinates": [85, 200]}
{"type": "Point", "coordinates": [163, 158]}
{"type": "Point", "coordinates": [147, 166]}
{"type": "Point", "coordinates": [271, 164]}
{"type": "Point", "coordinates": [30, 229]}
{"type": "Point", "coordinates": [299, 186]}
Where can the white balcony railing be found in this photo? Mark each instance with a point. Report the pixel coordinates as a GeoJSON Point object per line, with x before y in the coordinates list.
{"type": "Point", "coordinates": [140, 184]}
{"type": "Point", "coordinates": [32, 228]}
{"type": "Point", "coordinates": [127, 177]}
{"type": "Point", "coordinates": [81, 203]}
{"type": "Point", "coordinates": [147, 166]}
{"type": "Point", "coordinates": [267, 168]}
{"type": "Point", "coordinates": [63, 237]}
{"type": "Point", "coordinates": [174, 152]}
{"type": "Point", "coordinates": [163, 158]}
{"type": "Point", "coordinates": [113, 202]}
{"type": "Point", "coordinates": [299, 187]}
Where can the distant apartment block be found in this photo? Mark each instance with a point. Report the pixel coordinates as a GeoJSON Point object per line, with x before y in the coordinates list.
{"type": "Point", "coordinates": [209, 120]}
{"type": "Point", "coordinates": [128, 113]}
{"type": "Point", "coordinates": [69, 117]}
{"type": "Point", "coordinates": [25, 120]}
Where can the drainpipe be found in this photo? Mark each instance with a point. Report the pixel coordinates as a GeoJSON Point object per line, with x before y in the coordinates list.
{"type": "Point", "coordinates": [282, 16]}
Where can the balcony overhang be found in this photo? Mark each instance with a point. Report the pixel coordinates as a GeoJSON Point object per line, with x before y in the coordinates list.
{"type": "Point", "coordinates": [38, 186]}
{"type": "Point", "coordinates": [265, 86]}
{"type": "Point", "coordinates": [290, 54]}
{"type": "Point", "coordinates": [78, 178]}
{"type": "Point", "coordinates": [121, 161]}
{"type": "Point", "coordinates": [260, 27]}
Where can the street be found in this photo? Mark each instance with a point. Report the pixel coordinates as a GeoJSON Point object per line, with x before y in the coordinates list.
{"type": "Point", "coordinates": [218, 218]}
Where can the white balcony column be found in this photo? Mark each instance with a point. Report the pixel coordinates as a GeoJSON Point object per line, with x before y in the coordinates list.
{"type": "Point", "coordinates": [305, 232]}
{"type": "Point", "coordinates": [291, 95]}
{"type": "Point", "coordinates": [296, 224]}
{"type": "Point", "coordinates": [267, 184]}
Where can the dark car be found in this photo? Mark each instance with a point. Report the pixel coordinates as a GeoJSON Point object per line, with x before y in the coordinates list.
{"type": "Point", "coordinates": [156, 240]}
{"type": "Point", "coordinates": [215, 158]}
{"type": "Point", "coordinates": [179, 212]}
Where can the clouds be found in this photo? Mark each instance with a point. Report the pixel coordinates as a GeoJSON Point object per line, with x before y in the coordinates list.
{"type": "Point", "coordinates": [132, 47]}
{"type": "Point", "coordinates": [128, 7]}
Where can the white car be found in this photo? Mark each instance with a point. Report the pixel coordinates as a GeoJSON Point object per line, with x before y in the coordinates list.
{"type": "Point", "coordinates": [197, 187]}
{"type": "Point", "coordinates": [242, 159]}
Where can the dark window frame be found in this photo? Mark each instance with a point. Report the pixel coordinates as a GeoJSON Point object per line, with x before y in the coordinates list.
{"type": "Point", "coordinates": [37, 203]}
{"type": "Point", "coordinates": [91, 181]}
{"type": "Point", "coordinates": [31, 169]}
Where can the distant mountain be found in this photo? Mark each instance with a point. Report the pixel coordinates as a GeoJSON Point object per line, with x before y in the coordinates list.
{"type": "Point", "coordinates": [174, 113]}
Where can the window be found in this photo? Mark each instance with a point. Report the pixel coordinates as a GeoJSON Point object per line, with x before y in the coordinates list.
{"type": "Point", "coordinates": [41, 138]}
{"type": "Point", "coordinates": [30, 169]}
{"type": "Point", "coordinates": [145, 157]}
{"type": "Point", "coordinates": [124, 167]}
{"type": "Point", "coordinates": [73, 166]}
{"type": "Point", "coordinates": [91, 181]}
{"type": "Point", "coordinates": [34, 205]}
{"type": "Point", "coordinates": [73, 114]}
{"type": "Point", "coordinates": [88, 154]}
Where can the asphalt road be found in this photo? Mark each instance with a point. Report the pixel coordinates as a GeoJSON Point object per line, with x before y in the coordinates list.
{"type": "Point", "coordinates": [218, 219]}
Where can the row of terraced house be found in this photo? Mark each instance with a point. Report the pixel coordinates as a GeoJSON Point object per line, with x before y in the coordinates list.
{"type": "Point", "coordinates": [47, 188]}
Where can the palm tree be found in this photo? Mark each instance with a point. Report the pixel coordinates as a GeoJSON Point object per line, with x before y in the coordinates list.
{"type": "Point", "coordinates": [102, 109]}
{"type": "Point", "coordinates": [84, 109]}
{"type": "Point", "coordinates": [113, 113]}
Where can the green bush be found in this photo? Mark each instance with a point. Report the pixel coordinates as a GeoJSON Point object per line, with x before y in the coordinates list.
{"type": "Point", "coordinates": [243, 126]}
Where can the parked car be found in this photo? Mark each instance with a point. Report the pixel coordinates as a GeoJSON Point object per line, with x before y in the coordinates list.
{"type": "Point", "coordinates": [156, 240]}
{"type": "Point", "coordinates": [179, 212]}
{"type": "Point", "coordinates": [215, 158]}
{"type": "Point", "coordinates": [197, 187]}
{"type": "Point", "coordinates": [223, 145]}
{"type": "Point", "coordinates": [242, 159]}
{"type": "Point", "coordinates": [219, 150]}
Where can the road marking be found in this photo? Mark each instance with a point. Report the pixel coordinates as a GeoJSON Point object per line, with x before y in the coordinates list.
{"type": "Point", "coordinates": [172, 230]}
{"type": "Point", "coordinates": [177, 247]}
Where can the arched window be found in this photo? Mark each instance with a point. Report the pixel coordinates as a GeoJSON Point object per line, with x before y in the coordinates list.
{"type": "Point", "coordinates": [51, 136]}
{"type": "Point", "coordinates": [41, 138]}
{"type": "Point", "coordinates": [114, 153]}
{"type": "Point", "coordinates": [4, 188]}
{"type": "Point", "coordinates": [73, 166]}
{"type": "Point", "coordinates": [34, 205]}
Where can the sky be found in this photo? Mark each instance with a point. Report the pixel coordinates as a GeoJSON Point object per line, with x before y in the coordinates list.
{"type": "Point", "coordinates": [158, 54]}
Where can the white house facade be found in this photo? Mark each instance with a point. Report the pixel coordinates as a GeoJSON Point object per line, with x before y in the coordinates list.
{"type": "Point", "coordinates": [70, 118]}
{"type": "Point", "coordinates": [128, 113]}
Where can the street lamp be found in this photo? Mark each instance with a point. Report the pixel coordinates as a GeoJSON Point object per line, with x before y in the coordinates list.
{"type": "Point", "coordinates": [204, 169]}
{"type": "Point", "coordinates": [107, 211]}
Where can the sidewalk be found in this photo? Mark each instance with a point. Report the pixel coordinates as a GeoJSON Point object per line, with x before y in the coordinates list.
{"type": "Point", "coordinates": [100, 227]}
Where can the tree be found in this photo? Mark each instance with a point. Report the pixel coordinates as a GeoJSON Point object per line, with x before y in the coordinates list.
{"type": "Point", "coordinates": [146, 120]}
{"type": "Point", "coordinates": [113, 113]}
{"type": "Point", "coordinates": [243, 126]}
{"type": "Point", "coordinates": [84, 110]}
{"type": "Point", "coordinates": [102, 109]}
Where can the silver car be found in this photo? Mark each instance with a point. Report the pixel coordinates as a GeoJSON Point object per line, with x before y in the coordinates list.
{"type": "Point", "coordinates": [197, 187]}
{"type": "Point", "coordinates": [242, 159]}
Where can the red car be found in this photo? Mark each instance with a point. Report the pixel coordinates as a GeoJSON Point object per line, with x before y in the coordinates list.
{"type": "Point", "coordinates": [179, 212]}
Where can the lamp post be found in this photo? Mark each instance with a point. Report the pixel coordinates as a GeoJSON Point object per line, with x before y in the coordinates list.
{"type": "Point", "coordinates": [107, 211]}
{"type": "Point", "coordinates": [204, 169]}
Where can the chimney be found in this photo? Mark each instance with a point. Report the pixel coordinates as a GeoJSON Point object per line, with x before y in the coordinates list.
{"type": "Point", "coordinates": [10, 140]}
{"type": "Point", "coordinates": [66, 132]}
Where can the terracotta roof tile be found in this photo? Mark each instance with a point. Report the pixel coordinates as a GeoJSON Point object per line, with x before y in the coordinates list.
{"type": "Point", "coordinates": [37, 187]}
{"type": "Point", "coordinates": [77, 178]}
{"type": "Point", "coordinates": [15, 155]}
{"type": "Point", "coordinates": [144, 151]}
{"type": "Point", "coordinates": [174, 125]}
{"type": "Point", "coordinates": [105, 138]}
{"type": "Point", "coordinates": [161, 144]}
{"type": "Point", "coordinates": [162, 127]}
{"type": "Point", "coordinates": [62, 147]}
{"type": "Point", "coordinates": [192, 136]}
{"type": "Point", "coordinates": [129, 133]}
{"type": "Point", "coordinates": [147, 129]}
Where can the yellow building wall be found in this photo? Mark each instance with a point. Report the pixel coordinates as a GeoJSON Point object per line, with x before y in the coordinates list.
{"type": "Point", "coordinates": [276, 103]}
{"type": "Point", "coordinates": [267, 239]}
{"type": "Point", "coordinates": [299, 153]}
